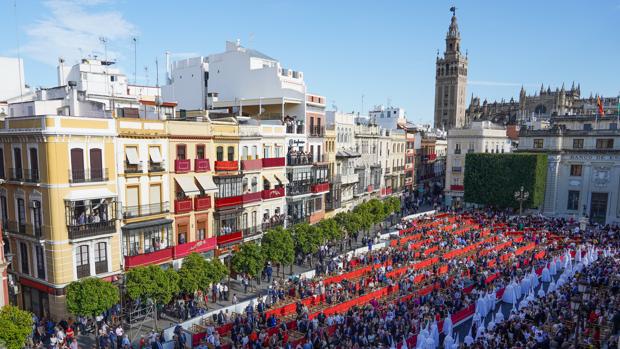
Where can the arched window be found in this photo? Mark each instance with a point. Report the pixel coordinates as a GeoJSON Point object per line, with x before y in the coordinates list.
{"type": "Point", "coordinates": [231, 153]}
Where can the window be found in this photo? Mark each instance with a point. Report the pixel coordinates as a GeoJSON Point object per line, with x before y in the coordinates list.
{"type": "Point", "coordinates": [96, 164]}
{"type": "Point", "coordinates": [231, 153]}
{"type": "Point", "coordinates": [605, 143]}
{"type": "Point", "coordinates": [34, 164]}
{"type": "Point", "coordinates": [2, 163]}
{"type": "Point", "coordinates": [575, 170]}
{"type": "Point", "coordinates": [538, 143]}
{"type": "Point", "coordinates": [21, 213]}
{"type": "Point", "coordinates": [181, 152]}
{"type": "Point", "coordinates": [36, 217]}
{"type": "Point", "coordinates": [278, 152]}
{"type": "Point", "coordinates": [457, 149]}
{"type": "Point", "coordinates": [17, 158]}
{"type": "Point", "coordinates": [613, 126]}
{"type": "Point", "coordinates": [101, 258]}
{"type": "Point", "coordinates": [23, 248]}
{"type": "Point", "coordinates": [201, 230]}
{"type": "Point", "coordinates": [5, 212]}
{"type": "Point", "coordinates": [200, 151]}
{"type": "Point", "coordinates": [573, 200]}
{"type": "Point", "coordinates": [244, 152]}
{"type": "Point", "coordinates": [219, 153]}
{"type": "Point", "coordinates": [77, 164]}
{"type": "Point", "coordinates": [578, 143]}
{"type": "Point", "coordinates": [318, 204]}
{"type": "Point", "coordinates": [587, 127]}
{"type": "Point", "coordinates": [82, 265]}
{"type": "Point", "coordinates": [266, 152]}
{"type": "Point", "coordinates": [228, 187]}
{"type": "Point", "coordinates": [254, 184]}
{"type": "Point", "coordinates": [40, 262]}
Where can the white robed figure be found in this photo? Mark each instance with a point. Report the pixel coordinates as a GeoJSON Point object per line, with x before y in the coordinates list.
{"type": "Point", "coordinates": [509, 294]}
{"type": "Point", "coordinates": [546, 275]}
{"type": "Point", "coordinates": [534, 280]}
{"type": "Point", "coordinates": [553, 267]}
{"type": "Point", "coordinates": [447, 325]}
{"type": "Point", "coordinates": [448, 342]}
{"type": "Point", "coordinates": [525, 285]}
{"type": "Point", "coordinates": [499, 316]}
{"type": "Point", "coordinates": [468, 340]}
{"type": "Point", "coordinates": [435, 332]}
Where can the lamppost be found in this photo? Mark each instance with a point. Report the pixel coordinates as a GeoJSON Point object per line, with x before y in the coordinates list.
{"type": "Point", "coordinates": [579, 305]}
{"type": "Point", "coordinates": [521, 196]}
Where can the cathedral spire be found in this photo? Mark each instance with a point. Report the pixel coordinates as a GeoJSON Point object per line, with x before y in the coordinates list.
{"type": "Point", "coordinates": [453, 37]}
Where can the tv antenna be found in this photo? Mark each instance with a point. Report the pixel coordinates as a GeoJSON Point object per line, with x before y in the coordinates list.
{"type": "Point", "coordinates": [134, 42]}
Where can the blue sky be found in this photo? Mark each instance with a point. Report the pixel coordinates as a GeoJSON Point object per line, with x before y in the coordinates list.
{"type": "Point", "coordinates": [380, 49]}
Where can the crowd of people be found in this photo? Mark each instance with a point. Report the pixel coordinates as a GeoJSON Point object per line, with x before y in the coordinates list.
{"type": "Point", "coordinates": [391, 321]}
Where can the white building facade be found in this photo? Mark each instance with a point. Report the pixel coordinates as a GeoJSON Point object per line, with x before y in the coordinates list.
{"type": "Point", "coordinates": [479, 137]}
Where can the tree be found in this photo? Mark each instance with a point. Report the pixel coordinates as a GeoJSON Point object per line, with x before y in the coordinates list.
{"type": "Point", "coordinates": [216, 270]}
{"type": "Point", "coordinates": [152, 283]}
{"type": "Point", "coordinates": [364, 216]}
{"type": "Point", "coordinates": [330, 230]}
{"type": "Point", "coordinates": [392, 205]}
{"type": "Point", "coordinates": [193, 274]}
{"type": "Point", "coordinates": [91, 297]}
{"type": "Point", "coordinates": [249, 259]}
{"type": "Point", "coordinates": [278, 246]}
{"type": "Point", "coordinates": [350, 222]}
{"type": "Point", "coordinates": [307, 239]}
{"type": "Point", "coordinates": [15, 327]}
{"type": "Point", "coordinates": [376, 208]}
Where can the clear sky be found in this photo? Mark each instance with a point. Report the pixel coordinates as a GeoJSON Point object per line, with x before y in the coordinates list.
{"type": "Point", "coordinates": [384, 50]}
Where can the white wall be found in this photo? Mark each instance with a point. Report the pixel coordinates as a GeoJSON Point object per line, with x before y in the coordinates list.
{"type": "Point", "coordinates": [11, 78]}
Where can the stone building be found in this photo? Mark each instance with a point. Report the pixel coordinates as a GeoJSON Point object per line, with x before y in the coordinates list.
{"type": "Point", "coordinates": [451, 82]}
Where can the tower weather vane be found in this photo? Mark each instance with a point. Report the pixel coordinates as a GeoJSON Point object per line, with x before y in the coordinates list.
{"type": "Point", "coordinates": [453, 10]}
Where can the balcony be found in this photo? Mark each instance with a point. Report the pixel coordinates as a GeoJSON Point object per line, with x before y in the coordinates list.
{"type": "Point", "coordinates": [200, 246]}
{"type": "Point", "coordinates": [273, 162]}
{"type": "Point", "coordinates": [86, 230]}
{"type": "Point", "coordinates": [299, 159]}
{"type": "Point", "coordinates": [88, 175]}
{"type": "Point", "coordinates": [229, 201]}
{"type": "Point", "coordinates": [320, 188]}
{"type": "Point", "coordinates": [273, 222]}
{"type": "Point", "coordinates": [83, 271]}
{"type": "Point", "coordinates": [183, 205]}
{"type": "Point", "coordinates": [226, 165]}
{"type": "Point", "coordinates": [317, 131]}
{"type": "Point", "coordinates": [298, 188]}
{"type": "Point", "coordinates": [457, 187]}
{"type": "Point", "coordinates": [295, 129]}
{"type": "Point", "coordinates": [251, 165]}
{"type": "Point", "coordinates": [409, 152]}
{"type": "Point", "coordinates": [457, 151]}
{"type": "Point", "coordinates": [202, 165]}
{"type": "Point", "coordinates": [249, 198]}
{"type": "Point", "coordinates": [155, 257]}
{"type": "Point", "coordinates": [387, 170]}
{"type": "Point", "coordinates": [457, 169]}
{"type": "Point", "coordinates": [251, 232]}
{"type": "Point", "coordinates": [156, 167]}
{"type": "Point", "coordinates": [202, 202]}
{"type": "Point", "coordinates": [182, 165]}
{"type": "Point", "coordinates": [24, 175]}
{"type": "Point", "coordinates": [350, 178]}
{"type": "Point", "coordinates": [145, 210]}
{"type": "Point", "coordinates": [24, 229]}
{"type": "Point", "coordinates": [16, 174]}
{"type": "Point", "coordinates": [321, 158]}
{"type": "Point", "coordinates": [229, 238]}
{"type": "Point", "coordinates": [101, 267]}
{"type": "Point", "coordinates": [272, 193]}
{"type": "Point", "coordinates": [129, 168]}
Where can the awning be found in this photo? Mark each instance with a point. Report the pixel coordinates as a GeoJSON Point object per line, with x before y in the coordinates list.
{"type": "Point", "coordinates": [147, 224]}
{"type": "Point", "coordinates": [132, 155]}
{"type": "Point", "coordinates": [281, 179]}
{"type": "Point", "coordinates": [187, 184]}
{"type": "Point", "coordinates": [271, 178]}
{"type": "Point", "coordinates": [206, 182]}
{"type": "Point", "coordinates": [155, 155]}
{"type": "Point", "coordinates": [342, 154]}
{"type": "Point", "coordinates": [79, 195]}
{"type": "Point", "coordinates": [354, 154]}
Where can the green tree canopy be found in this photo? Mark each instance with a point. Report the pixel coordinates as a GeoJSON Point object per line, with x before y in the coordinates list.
{"type": "Point", "coordinates": [91, 297]}
{"type": "Point", "coordinates": [248, 259]}
{"type": "Point", "coordinates": [15, 327]}
{"type": "Point", "coordinates": [330, 229]}
{"type": "Point", "coordinates": [377, 210]}
{"type": "Point", "coordinates": [392, 205]}
{"type": "Point", "coordinates": [278, 246]}
{"type": "Point", "coordinates": [152, 282]}
{"type": "Point", "coordinates": [307, 238]}
{"type": "Point", "coordinates": [349, 221]}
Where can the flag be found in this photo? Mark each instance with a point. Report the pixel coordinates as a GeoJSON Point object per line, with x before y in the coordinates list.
{"type": "Point", "coordinates": [599, 104]}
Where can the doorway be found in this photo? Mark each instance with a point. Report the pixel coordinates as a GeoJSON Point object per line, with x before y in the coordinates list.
{"type": "Point", "coordinates": [598, 207]}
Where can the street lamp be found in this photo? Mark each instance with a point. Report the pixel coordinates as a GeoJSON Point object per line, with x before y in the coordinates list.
{"type": "Point", "coordinates": [584, 291]}
{"type": "Point", "coordinates": [521, 196]}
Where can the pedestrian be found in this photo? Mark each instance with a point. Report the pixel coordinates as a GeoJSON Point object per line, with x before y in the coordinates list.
{"type": "Point", "coordinates": [235, 300]}
{"type": "Point", "coordinates": [225, 287]}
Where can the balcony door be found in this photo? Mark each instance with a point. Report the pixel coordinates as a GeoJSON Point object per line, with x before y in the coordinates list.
{"type": "Point", "coordinates": [34, 164]}
{"type": "Point", "coordinates": [17, 158]}
{"type": "Point", "coordinates": [96, 164]}
{"type": "Point", "coordinates": [77, 164]}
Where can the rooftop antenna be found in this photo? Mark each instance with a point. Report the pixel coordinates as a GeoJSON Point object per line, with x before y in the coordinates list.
{"type": "Point", "coordinates": [362, 104]}
{"type": "Point", "coordinates": [168, 76]}
{"type": "Point", "coordinates": [146, 75]}
{"type": "Point", "coordinates": [134, 42]}
{"type": "Point", "coordinates": [19, 59]}
{"type": "Point", "coordinates": [104, 41]}
{"type": "Point", "coordinates": [156, 72]}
